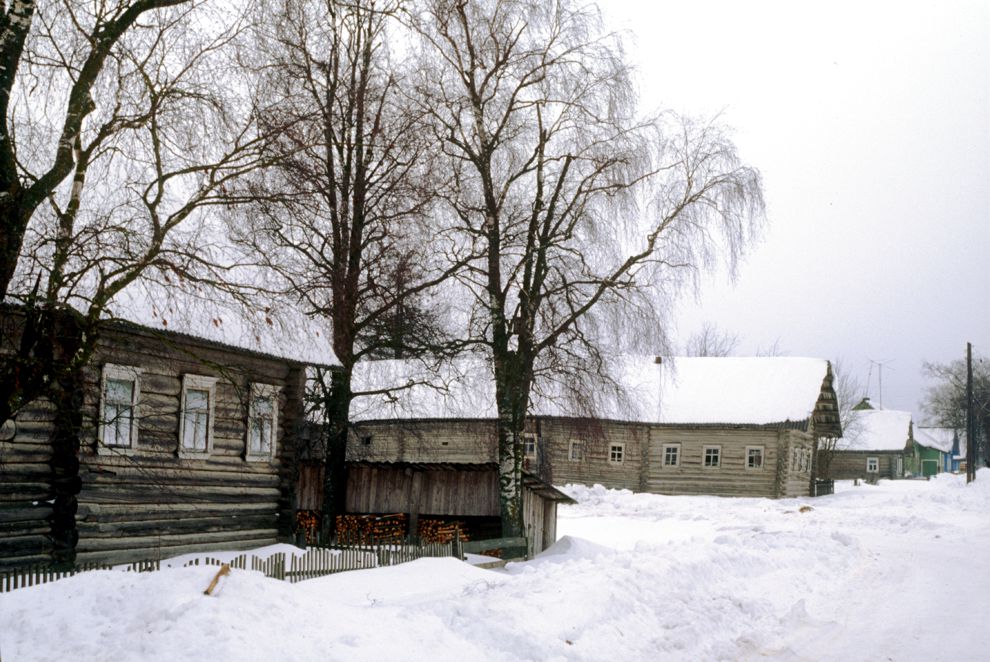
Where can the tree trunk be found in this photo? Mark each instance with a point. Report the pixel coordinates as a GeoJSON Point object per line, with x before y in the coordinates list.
{"type": "Point", "coordinates": [512, 397]}
{"type": "Point", "coordinates": [337, 410]}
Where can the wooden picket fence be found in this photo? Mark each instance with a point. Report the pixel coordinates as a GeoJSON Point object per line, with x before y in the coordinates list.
{"type": "Point", "coordinates": [314, 562]}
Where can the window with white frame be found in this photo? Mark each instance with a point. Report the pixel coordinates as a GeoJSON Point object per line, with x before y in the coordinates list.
{"type": "Point", "coordinates": [196, 415]}
{"type": "Point", "coordinates": [872, 465]}
{"type": "Point", "coordinates": [262, 422]}
{"type": "Point", "coordinates": [754, 457]}
{"type": "Point", "coordinates": [671, 455]}
{"type": "Point", "coordinates": [529, 444]}
{"type": "Point", "coordinates": [712, 456]}
{"type": "Point", "coordinates": [120, 390]}
{"type": "Point", "coordinates": [808, 457]}
{"type": "Point", "coordinates": [575, 450]}
{"type": "Point", "coordinates": [616, 453]}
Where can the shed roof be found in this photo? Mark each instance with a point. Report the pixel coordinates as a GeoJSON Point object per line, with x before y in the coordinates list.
{"type": "Point", "coordinates": [723, 390]}
{"type": "Point", "coordinates": [878, 430]}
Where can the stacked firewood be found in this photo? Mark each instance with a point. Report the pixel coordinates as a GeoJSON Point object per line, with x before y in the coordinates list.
{"type": "Point", "coordinates": [369, 529]}
{"type": "Point", "coordinates": [308, 521]}
{"type": "Point", "coordinates": [436, 531]}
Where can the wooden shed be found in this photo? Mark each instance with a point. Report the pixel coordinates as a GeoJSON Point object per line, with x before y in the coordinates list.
{"type": "Point", "coordinates": [186, 444]}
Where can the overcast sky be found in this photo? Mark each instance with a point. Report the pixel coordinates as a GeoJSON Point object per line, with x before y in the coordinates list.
{"type": "Point", "coordinates": [871, 125]}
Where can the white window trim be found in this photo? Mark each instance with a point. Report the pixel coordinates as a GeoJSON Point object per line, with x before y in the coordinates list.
{"type": "Point", "coordinates": [704, 454]}
{"type": "Point", "coordinates": [763, 458]}
{"type": "Point", "coordinates": [663, 456]}
{"type": "Point", "coordinates": [115, 371]}
{"type": "Point", "coordinates": [621, 445]}
{"type": "Point", "coordinates": [203, 383]}
{"type": "Point", "coordinates": [268, 391]}
{"type": "Point", "coordinates": [571, 446]}
{"type": "Point", "coordinates": [536, 444]}
{"type": "Point", "coordinates": [876, 465]}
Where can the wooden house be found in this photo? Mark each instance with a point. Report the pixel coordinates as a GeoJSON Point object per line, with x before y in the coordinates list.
{"type": "Point", "coordinates": [879, 447]}
{"type": "Point", "coordinates": [931, 453]}
{"type": "Point", "coordinates": [720, 426]}
{"type": "Point", "coordinates": [186, 444]}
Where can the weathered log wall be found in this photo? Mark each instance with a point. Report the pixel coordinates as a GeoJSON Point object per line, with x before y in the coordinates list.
{"type": "Point", "coordinates": [146, 501]}
{"type": "Point", "coordinates": [846, 465]}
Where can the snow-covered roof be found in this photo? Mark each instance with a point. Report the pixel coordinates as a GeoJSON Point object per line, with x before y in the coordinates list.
{"type": "Point", "coordinates": [726, 390]}
{"type": "Point", "coordinates": [283, 333]}
{"type": "Point", "coordinates": [937, 438]}
{"type": "Point", "coordinates": [877, 430]}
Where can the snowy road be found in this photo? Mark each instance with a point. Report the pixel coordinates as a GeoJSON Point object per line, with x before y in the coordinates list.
{"type": "Point", "coordinates": [895, 572]}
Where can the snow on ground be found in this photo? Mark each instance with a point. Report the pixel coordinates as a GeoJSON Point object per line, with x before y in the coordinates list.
{"type": "Point", "coordinates": [897, 571]}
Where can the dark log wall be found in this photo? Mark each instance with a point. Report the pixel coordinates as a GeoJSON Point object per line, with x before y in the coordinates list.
{"type": "Point", "coordinates": [147, 502]}
{"type": "Point", "coordinates": [25, 489]}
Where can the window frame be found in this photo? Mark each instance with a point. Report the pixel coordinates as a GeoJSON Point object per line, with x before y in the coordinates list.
{"type": "Point", "coordinates": [704, 456]}
{"type": "Point", "coordinates": [677, 456]}
{"type": "Point", "coordinates": [621, 446]}
{"type": "Point", "coordinates": [575, 444]}
{"type": "Point", "coordinates": [875, 461]}
{"type": "Point", "coordinates": [191, 382]}
{"type": "Point", "coordinates": [271, 392]}
{"type": "Point", "coordinates": [121, 373]}
{"type": "Point", "coordinates": [526, 438]}
{"type": "Point", "coordinates": [763, 458]}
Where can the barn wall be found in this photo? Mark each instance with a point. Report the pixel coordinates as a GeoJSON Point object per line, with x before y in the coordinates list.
{"type": "Point", "coordinates": [147, 502]}
{"type": "Point", "coordinates": [378, 490]}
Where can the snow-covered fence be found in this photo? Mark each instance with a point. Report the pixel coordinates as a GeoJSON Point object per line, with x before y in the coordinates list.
{"type": "Point", "coordinates": [314, 562]}
{"type": "Point", "coordinates": [35, 575]}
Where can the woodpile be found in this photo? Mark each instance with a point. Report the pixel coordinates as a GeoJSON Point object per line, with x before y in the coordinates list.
{"type": "Point", "coordinates": [437, 531]}
{"type": "Point", "coordinates": [371, 529]}
{"type": "Point", "coordinates": [308, 521]}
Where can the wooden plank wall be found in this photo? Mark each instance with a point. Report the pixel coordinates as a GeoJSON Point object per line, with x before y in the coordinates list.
{"type": "Point", "coordinates": [423, 442]}
{"type": "Point", "coordinates": [795, 482]}
{"type": "Point", "coordinates": [846, 465]}
{"type": "Point", "coordinates": [378, 489]}
{"type": "Point", "coordinates": [732, 478]}
{"type": "Point", "coordinates": [596, 438]}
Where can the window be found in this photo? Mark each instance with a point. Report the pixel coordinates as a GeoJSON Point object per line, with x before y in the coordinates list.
{"type": "Point", "coordinates": [196, 416]}
{"type": "Point", "coordinates": [616, 453]}
{"type": "Point", "coordinates": [754, 457]}
{"type": "Point", "coordinates": [575, 452]}
{"type": "Point", "coordinates": [529, 444]}
{"type": "Point", "coordinates": [262, 422]}
{"type": "Point", "coordinates": [118, 407]}
{"type": "Point", "coordinates": [872, 465]}
{"type": "Point", "coordinates": [713, 456]}
{"type": "Point", "coordinates": [794, 459]}
{"type": "Point", "coordinates": [671, 455]}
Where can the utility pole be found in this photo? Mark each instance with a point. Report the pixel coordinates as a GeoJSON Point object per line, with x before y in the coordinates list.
{"type": "Point", "coordinates": [970, 436]}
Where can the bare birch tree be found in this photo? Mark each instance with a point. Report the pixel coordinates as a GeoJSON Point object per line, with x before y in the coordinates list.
{"type": "Point", "coordinates": [581, 217]}
{"type": "Point", "coordinates": [342, 218]}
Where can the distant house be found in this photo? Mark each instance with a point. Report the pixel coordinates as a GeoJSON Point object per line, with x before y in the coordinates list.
{"type": "Point", "coordinates": [721, 426]}
{"type": "Point", "coordinates": [880, 446]}
{"type": "Point", "coordinates": [186, 444]}
{"type": "Point", "coordinates": [933, 451]}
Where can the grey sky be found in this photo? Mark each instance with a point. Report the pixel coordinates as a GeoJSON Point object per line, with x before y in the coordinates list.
{"type": "Point", "coordinates": [871, 124]}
